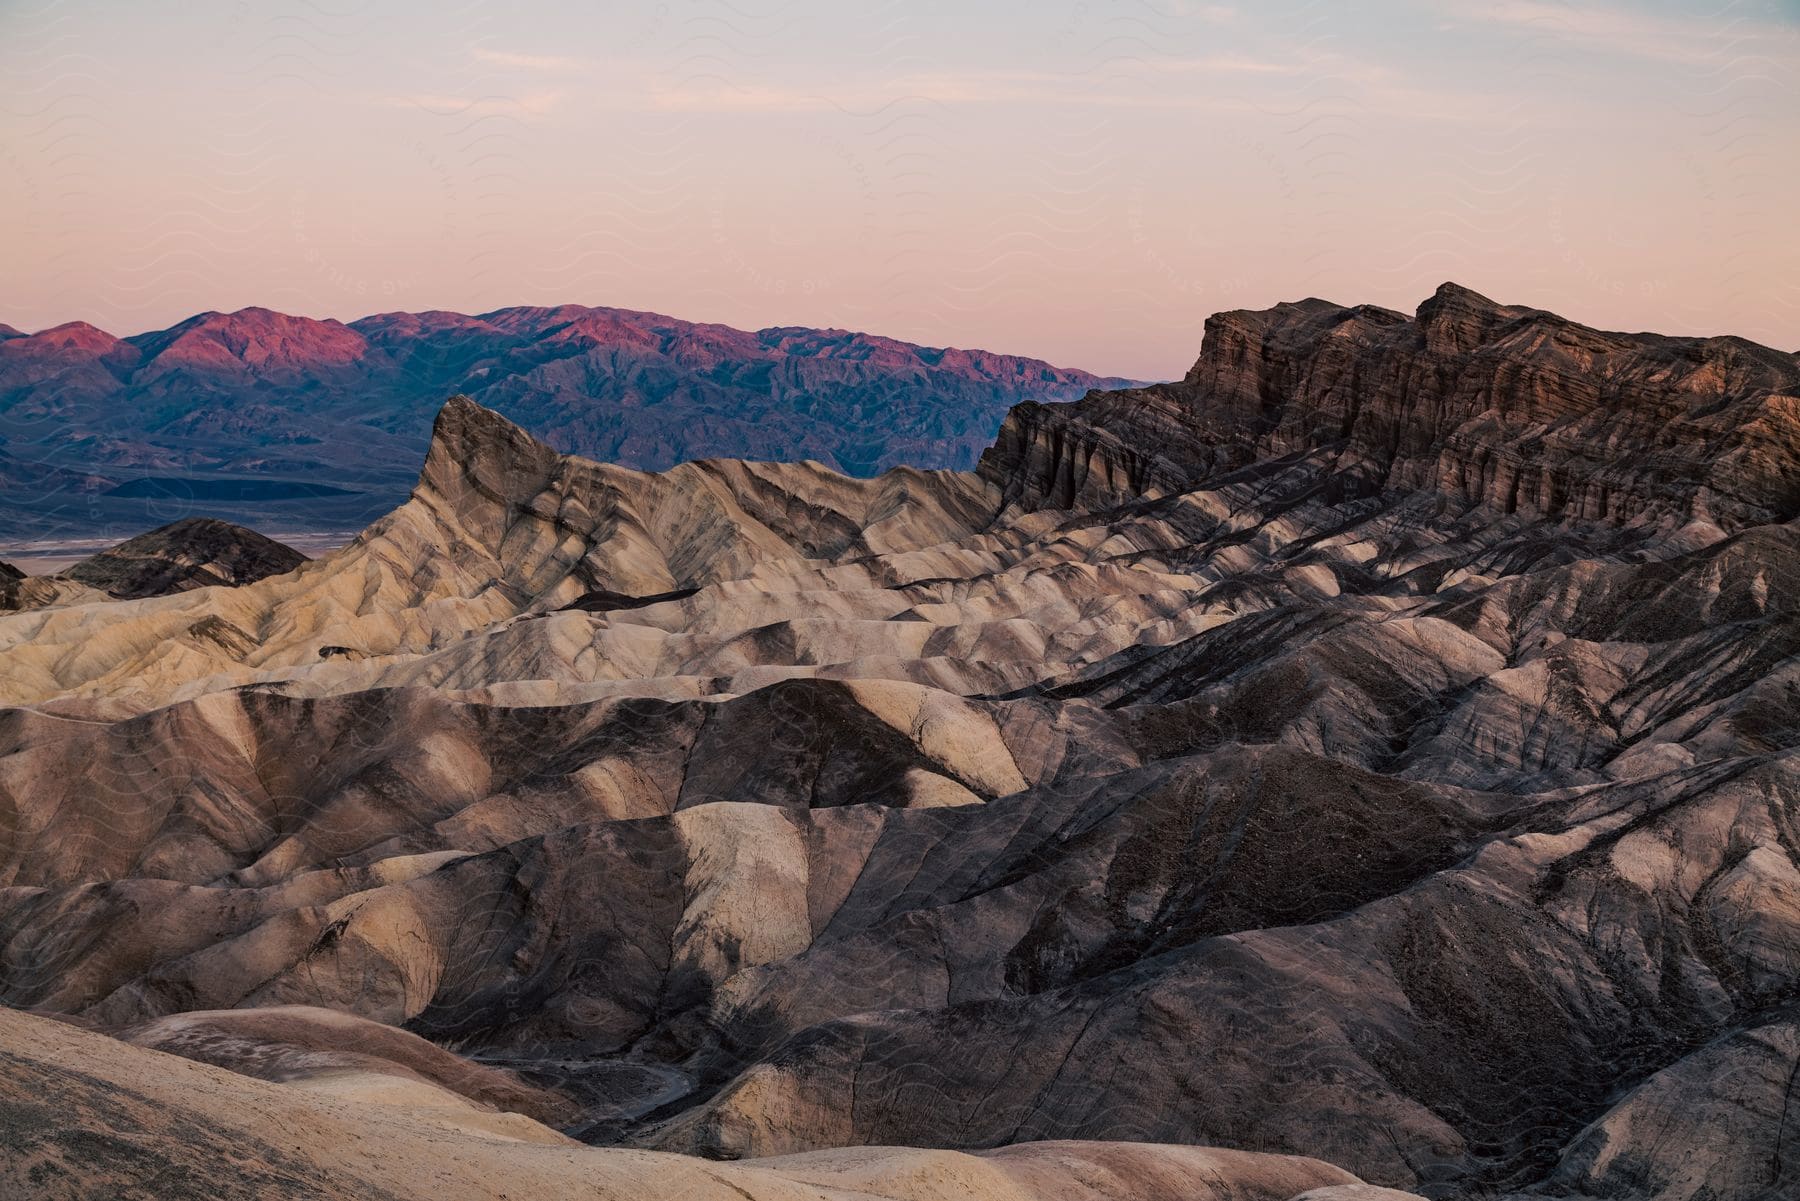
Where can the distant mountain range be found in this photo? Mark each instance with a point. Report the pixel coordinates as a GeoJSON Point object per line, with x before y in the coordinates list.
{"type": "Point", "coordinates": [288, 422]}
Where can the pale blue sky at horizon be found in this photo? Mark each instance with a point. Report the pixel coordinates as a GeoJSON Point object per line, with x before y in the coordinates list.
{"type": "Point", "coordinates": [1081, 181]}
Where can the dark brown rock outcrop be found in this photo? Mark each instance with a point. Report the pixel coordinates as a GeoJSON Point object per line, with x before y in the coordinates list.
{"type": "Point", "coordinates": [1512, 408]}
{"type": "Point", "coordinates": [195, 552]}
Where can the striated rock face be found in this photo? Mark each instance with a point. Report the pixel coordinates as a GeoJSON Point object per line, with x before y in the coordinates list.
{"type": "Point", "coordinates": [1738, 1088]}
{"type": "Point", "coordinates": [1484, 403]}
{"type": "Point", "coordinates": [43, 591]}
{"type": "Point", "coordinates": [195, 552]}
{"type": "Point", "coordinates": [1236, 787]}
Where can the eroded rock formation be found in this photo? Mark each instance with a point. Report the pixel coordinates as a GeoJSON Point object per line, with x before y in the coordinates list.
{"type": "Point", "coordinates": [1380, 748]}
{"type": "Point", "coordinates": [1514, 408]}
{"type": "Point", "coordinates": [194, 552]}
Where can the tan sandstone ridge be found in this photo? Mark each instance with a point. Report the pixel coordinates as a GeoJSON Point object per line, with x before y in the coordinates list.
{"type": "Point", "coordinates": [1379, 747]}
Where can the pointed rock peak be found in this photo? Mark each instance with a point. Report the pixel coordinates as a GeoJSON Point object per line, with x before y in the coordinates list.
{"type": "Point", "coordinates": [1457, 319]}
{"type": "Point", "coordinates": [475, 445]}
{"type": "Point", "coordinates": [1451, 293]}
{"type": "Point", "coordinates": [461, 418]}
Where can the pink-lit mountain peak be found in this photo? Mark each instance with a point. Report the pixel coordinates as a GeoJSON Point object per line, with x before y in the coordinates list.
{"type": "Point", "coordinates": [255, 340]}
{"type": "Point", "coordinates": [72, 335]}
{"type": "Point", "coordinates": [260, 343]}
{"type": "Point", "coordinates": [72, 349]}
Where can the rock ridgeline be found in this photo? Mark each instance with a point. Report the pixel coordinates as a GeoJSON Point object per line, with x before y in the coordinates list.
{"type": "Point", "coordinates": [195, 552]}
{"type": "Point", "coordinates": [1505, 406]}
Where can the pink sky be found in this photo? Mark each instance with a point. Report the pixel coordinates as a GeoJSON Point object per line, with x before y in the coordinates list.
{"type": "Point", "coordinates": [1080, 181]}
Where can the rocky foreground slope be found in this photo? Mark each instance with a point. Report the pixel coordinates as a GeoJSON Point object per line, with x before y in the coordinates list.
{"type": "Point", "coordinates": [84, 1117]}
{"type": "Point", "coordinates": [1378, 748]}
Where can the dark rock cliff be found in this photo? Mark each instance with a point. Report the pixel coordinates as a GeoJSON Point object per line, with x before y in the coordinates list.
{"type": "Point", "coordinates": [1488, 404]}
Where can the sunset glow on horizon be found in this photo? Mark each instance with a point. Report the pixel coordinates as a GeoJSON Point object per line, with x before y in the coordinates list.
{"type": "Point", "coordinates": [1082, 182]}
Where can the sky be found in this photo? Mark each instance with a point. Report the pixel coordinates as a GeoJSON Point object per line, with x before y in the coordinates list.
{"type": "Point", "coordinates": [1079, 180]}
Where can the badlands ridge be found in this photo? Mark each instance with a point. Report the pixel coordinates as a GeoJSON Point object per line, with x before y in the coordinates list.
{"type": "Point", "coordinates": [1367, 763]}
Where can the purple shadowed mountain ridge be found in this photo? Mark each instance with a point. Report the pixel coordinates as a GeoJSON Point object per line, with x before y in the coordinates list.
{"type": "Point", "coordinates": [277, 418]}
